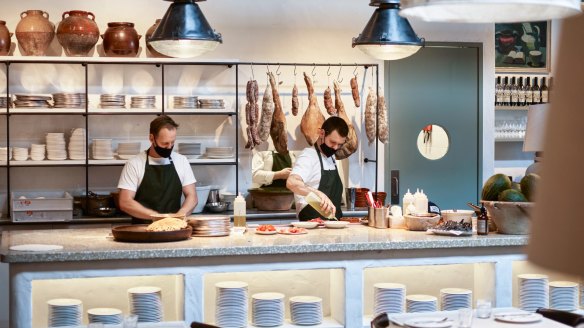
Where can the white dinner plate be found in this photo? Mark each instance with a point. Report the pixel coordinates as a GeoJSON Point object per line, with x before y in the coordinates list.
{"type": "Point", "coordinates": [305, 225]}
{"type": "Point", "coordinates": [519, 317]}
{"type": "Point", "coordinates": [428, 322]}
{"type": "Point", "coordinates": [266, 232]}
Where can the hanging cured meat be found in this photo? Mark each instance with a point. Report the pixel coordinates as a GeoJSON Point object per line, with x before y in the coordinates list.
{"type": "Point", "coordinates": [295, 103]}
{"type": "Point", "coordinates": [328, 102]}
{"type": "Point", "coordinates": [383, 130]}
{"type": "Point", "coordinates": [267, 113]}
{"type": "Point", "coordinates": [355, 91]}
{"type": "Point", "coordinates": [278, 130]}
{"type": "Point", "coordinates": [352, 143]}
{"type": "Point", "coordinates": [313, 118]}
{"type": "Point", "coordinates": [370, 111]}
{"type": "Point", "coordinates": [251, 114]}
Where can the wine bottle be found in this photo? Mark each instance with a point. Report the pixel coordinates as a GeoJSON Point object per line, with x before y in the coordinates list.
{"type": "Point", "coordinates": [520, 92]}
{"type": "Point", "coordinates": [514, 93]}
{"type": "Point", "coordinates": [544, 92]}
{"type": "Point", "coordinates": [498, 91]}
{"type": "Point", "coordinates": [536, 91]}
{"type": "Point", "coordinates": [528, 93]}
{"type": "Point", "coordinates": [506, 92]}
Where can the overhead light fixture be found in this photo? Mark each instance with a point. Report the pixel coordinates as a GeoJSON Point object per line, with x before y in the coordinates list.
{"type": "Point", "coordinates": [387, 35]}
{"type": "Point", "coordinates": [184, 32]}
{"type": "Point", "coordinates": [489, 11]}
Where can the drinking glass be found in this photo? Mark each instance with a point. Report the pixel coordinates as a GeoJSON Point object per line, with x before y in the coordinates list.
{"type": "Point", "coordinates": [483, 309]}
{"type": "Point", "coordinates": [95, 325]}
{"type": "Point", "coordinates": [464, 318]}
{"type": "Point", "coordinates": [131, 321]}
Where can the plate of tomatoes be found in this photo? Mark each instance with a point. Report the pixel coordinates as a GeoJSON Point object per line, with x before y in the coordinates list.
{"type": "Point", "coordinates": [293, 231]}
{"type": "Point", "coordinates": [266, 229]}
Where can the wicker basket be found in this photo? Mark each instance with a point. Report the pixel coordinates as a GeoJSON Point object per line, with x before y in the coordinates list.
{"type": "Point", "coordinates": [511, 218]}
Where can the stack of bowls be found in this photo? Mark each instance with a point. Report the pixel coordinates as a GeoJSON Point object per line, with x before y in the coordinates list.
{"type": "Point", "coordinates": [190, 150]}
{"type": "Point", "coordinates": [56, 146]}
{"type": "Point", "coordinates": [306, 310]}
{"type": "Point", "coordinates": [421, 303]}
{"type": "Point", "coordinates": [20, 154]}
{"type": "Point", "coordinates": [37, 152]}
{"type": "Point", "coordinates": [219, 152]}
{"type": "Point", "coordinates": [127, 150]}
{"type": "Point", "coordinates": [5, 153]}
{"type": "Point", "coordinates": [77, 144]}
{"type": "Point", "coordinates": [146, 303]}
{"type": "Point", "coordinates": [102, 149]}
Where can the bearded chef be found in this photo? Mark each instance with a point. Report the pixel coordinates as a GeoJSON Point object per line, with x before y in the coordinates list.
{"type": "Point", "coordinates": [316, 171]}
{"type": "Point", "coordinates": [154, 181]}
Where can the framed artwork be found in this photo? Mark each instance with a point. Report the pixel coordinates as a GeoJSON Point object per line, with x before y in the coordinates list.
{"type": "Point", "coordinates": [522, 47]}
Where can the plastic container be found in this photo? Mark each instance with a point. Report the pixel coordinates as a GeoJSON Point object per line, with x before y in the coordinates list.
{"type": "Point", "coordinates": [41, 206]}
{"type": "Point", "coordinates": [239, 211]}
{"type": "Point", "coordinates": [407, 200]}
{"type": "Point", "coordinates": [202, 195]}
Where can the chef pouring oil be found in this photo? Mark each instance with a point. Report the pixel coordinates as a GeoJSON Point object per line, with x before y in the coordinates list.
{"type": "Point", "coordinates": [239, 211]}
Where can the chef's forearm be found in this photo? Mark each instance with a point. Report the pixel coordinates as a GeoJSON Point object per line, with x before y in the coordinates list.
{"type": "Point", "coordinates": [297, 185]}
{"type": "Point", "coordinates": [190, 201]}
{"type": "Point", "coordinates": [136, 209]}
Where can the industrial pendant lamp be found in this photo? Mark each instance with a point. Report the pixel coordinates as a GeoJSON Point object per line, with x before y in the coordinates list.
{"type": "Point", "coordinates": [387, 35]}
{"type": "Point", "coordinates": [489, 11]}
{"type": "Point", "coordinates": [184, 31]}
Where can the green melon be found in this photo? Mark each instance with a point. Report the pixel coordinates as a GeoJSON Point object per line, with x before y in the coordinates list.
{"type": "Point", "coordinates": [512, 195]}
{"type": "Point", "coordinates": [494, 186]}
{"type": "Point", "coordinates": [529, 185]}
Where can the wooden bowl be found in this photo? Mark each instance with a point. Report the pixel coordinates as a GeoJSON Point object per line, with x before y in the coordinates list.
{"type": "Point", "coordinates": [511, 218]}
{"type": "Point", "coordinates": [421, 223]}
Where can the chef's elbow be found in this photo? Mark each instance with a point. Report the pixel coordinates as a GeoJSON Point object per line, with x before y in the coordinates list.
{"type": "Point", "coordinates": [292, 182]}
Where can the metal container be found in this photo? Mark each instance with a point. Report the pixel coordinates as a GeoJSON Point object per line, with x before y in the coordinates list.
{"type": "Point", "coordinates": [378, 217]}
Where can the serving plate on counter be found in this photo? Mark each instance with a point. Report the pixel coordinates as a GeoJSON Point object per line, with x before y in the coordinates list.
{"type": "Point", "coordinates": [139, 234]}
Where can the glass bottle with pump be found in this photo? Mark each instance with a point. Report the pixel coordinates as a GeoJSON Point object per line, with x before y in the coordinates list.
{"type": "Point", "coordinates": [239, 212]}
{"type": "Point", "coordinates": [483, 222]}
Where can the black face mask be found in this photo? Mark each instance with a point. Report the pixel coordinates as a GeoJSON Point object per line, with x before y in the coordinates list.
{"type": "Point", "coordinates": [163, 152]}
{"type": "Point", "coordinates": [326, 150]}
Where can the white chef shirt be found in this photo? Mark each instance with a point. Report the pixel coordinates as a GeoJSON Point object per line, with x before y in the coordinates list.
{"type": "Point", "coordinates": [133, 171]}
{"type": "Point", "coordinates": [261, 167]}
{"type": "Point", "coordinates": [307, 166]}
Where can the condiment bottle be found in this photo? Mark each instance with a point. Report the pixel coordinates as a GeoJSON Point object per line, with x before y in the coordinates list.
{"type": "Point", "coordinates": [408, 199]}
{"type": "Point", "coordinates": [313, 200]}
{"type": "Point", "coordinates": [239, 211]}
{"type": "Point", "coordinates": [421, 203]}
{"type": "Point", "coordinates": [483, 222]}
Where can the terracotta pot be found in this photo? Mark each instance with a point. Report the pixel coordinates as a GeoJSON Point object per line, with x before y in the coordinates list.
{"type": "Point", "coordinates": [5, 41]}
{"type": "Point", "coordinates": [77, 32]}
{"type": "Point", "coordinates": [151, 51]}
{"type": "Point", "coordinates": [121, 40]}
{"type": "Point", "coordinates": [34, 32]}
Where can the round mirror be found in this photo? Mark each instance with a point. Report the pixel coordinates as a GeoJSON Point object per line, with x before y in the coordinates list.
{"type": "Point", "coordinates": [433, 142]}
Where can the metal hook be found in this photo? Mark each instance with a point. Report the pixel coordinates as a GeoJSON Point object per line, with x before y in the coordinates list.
{"type": "Point", "coordinates": [339, 75]}
{"type": "Point", "coordinates": [252, 75]}
{"type": "Point", "coordinates": [355, 71]}
{"type": "Point", "coordinates": [313, 68]}
{"type": "Point", "coordinates": [278, 70]}
{"type": "Point", "coordinates": [268, 67]}
{"type": "Point", "coordinates": [294, 69]}
{"type": "Point", "coordinates": [328, 71]}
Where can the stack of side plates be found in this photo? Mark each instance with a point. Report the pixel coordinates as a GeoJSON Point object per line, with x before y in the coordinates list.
{"type": "Point", "coordinates": [211, 103]}
{"type": "Point", "coordinates": [146, 303]}
{"type": "Point", "coordinates": [107, 316]}
{"type": "Point", "coordinates": [37, 152]}
{"type": "Point", "coordinates": [69, 100]}
{"type": "Point", "coordinates": [5, 102]}
{"type": "Point", "coordinates": [231, 301]}
{"type": "Point", "coordinates": [144, 102]}
{"type": "Point", "coordinates": [102, 149]}
{"type": "Point", "coordinates": [421, 303]}
{"type": "Point", "coordinates": [107, 101]}
{"type": "Point", "coordinates": [185, 102]}
{"type": "Point", "coordinates": [127, 150]}
{"type": "Point", "coordinates": [65, 312]}
{"type": "Point", "coordinates": [267, 309]}
{"type": "Point", "coordinates": [20, 154]}
{"type": "Point", "coordinates": [219, 152]}
{"type": "Point", "coordinates": [190, 149]}
{"type": "Point", "coordinates": [56, 146]}
{"type": "Point", "coordinates": [306, 310]}
{"type": "Point", "coordinates": [32, 101]}
{"type": "Point", "coordinates": [5, 153]}
{"type": "Point", "coordinates": [452, 299]}
{"type": "Point", "coordinates": [210, 226]}
{"type": "Point", "coordinates": [533, 291]}
{"type": "Point", "coordinates": [389, 298]}
{"type": "Point", "coordinates": [564, 295]}
{"type": "Point", "coordinates": [77, 144]}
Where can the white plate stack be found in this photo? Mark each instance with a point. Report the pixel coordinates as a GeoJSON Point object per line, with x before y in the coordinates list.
{"type": "Point", "coordinates": [69, 100]}
{"type": "Point", "coordinates": [267, 309]}
{"type": "Point", "coordinates": [5, 153]}
{"type": "Point", "coordinates": [533, 291]}
{"type": "Point", "coordinates": [143, 102]}
{"type": "Point", "coordinates": [452, 299]}
{"type": "Point", "coordinates": [146, 303]}
{"type": "Point", "coordinates": [127, 150]}
{"type": "Point", "coordinates": [102, 149]}
{"type": "Point", "coordinates": [185, 102]}
{"type": "Point", "coordinates": [65, 312]}
{"type": "Point", "coordinates": [306, 310]}
{"type": "Point", "coordinates": [210, 226]}
{"type": "Point", "coordinates": [107, 316]}
{"type": "Point", "coordinates": [563, 295]}
{"type": "Point", "coordinates": [219, 152]}
{"type": "Point", "coordinates": [211, 103]}
{"type": "Point", "coordinates": [56, 146]}
{"type": "Point", "coordinates": [77, 144]}
{"type": "Point", "coordinates": [4, 101]}
{"type": "Point", "coordinates": [37, 152]}
{"type": "Point", "coordinates": [231, 304]}
{"type": "Point", "coordinates": [107, 101]}
{"type": "Point", "coordinates": [389, 298]}
{"type": "Point", "coordinates": [421, 303]}
{"type": "Point", "coordinates": [190, 149]}
{"type": "Point", "coordinates": [20, 154]}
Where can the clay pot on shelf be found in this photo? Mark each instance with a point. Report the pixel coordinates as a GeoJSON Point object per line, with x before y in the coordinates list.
{"type": "Point", "coordinates": [34, 32]}
{"type": "Point", "coordinates": [5, 39]}
{"type": "Point", "coordinates": [121, 40]}
{"type": "Point", "coordinates": [151, 51]}
{"type": "Point", "coordinates": [77, 32]}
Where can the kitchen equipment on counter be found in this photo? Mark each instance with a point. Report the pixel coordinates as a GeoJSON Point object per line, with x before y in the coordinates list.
{"type": "Point", "coordinates": [228, 198]}
{"type": "Point", "coordinates": [511, 218]}
{"type": "Point", "coordinates": [216, 207]}
{"type": "Point", "coordinates": [421, 222]}
{"type": "Point", "coordinates": [350, 198]}
{"type": "Point", "coordinates": [210, 226]}
{"type": "Point", "coordinates": [202, 195]}
{"type": "Point", "coordinates": [457, 215]}
{"type": "Point", "coordinates": [378, 217]}
{"type": "Point", "coordinates": [213, 196]}
{"type": "Point", "coordinates": [77, 32]}
{"type": "Point", "coordinates": [100, 205]}
{"type": "Point", "coordinates": [139, 234]}
{"type": "Point", "coordinates": [34, 32]}
{"type": "Point", "coordinates": [272, 199]}
{"type": "Point", "coordinates": [41, 206]}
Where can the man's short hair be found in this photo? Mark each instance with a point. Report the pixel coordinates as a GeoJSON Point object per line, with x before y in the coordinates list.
{"type": "Point", "coordinates": [161, 122]}
{"type": "Point", "coordinates": [335, 123]}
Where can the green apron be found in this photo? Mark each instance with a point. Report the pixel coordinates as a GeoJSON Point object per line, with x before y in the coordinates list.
{"type": "Point", "coordinates": [160, 190]}
{"type": "Point", "coordinates": [280, 162]}
{"type": "Point", "coordinates": [330, 185]}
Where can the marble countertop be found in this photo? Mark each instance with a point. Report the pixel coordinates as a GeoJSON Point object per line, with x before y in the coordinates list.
{"type": "Point", "coordinates": [97, 244]}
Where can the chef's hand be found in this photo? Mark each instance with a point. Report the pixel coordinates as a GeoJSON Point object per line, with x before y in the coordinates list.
{"type": "Point", "coordinates": [282, 174]}
{"type": "Point", "coordinates": [326, 204]}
